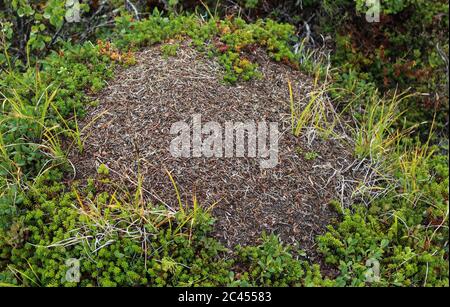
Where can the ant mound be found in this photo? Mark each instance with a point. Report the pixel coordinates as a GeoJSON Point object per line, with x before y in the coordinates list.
{"type": "Point", "coordinates": [151, 110]}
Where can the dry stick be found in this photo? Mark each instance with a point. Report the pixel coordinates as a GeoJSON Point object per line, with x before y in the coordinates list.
{"type": "Point", "coordinates": [129, 6]}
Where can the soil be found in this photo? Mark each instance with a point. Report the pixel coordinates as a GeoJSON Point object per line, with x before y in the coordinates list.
{"type": "Point", "coordinates": [129, 131]}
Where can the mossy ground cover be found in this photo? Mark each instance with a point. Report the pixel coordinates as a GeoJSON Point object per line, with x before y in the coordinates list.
{"type": "Point", "coordinates": [121, 239]}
